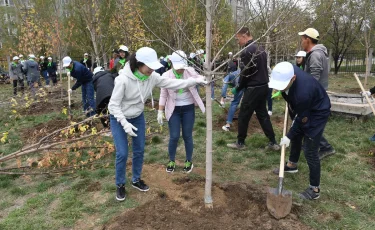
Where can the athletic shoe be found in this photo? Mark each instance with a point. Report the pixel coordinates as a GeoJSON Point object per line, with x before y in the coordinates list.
{"type": "Point", "coordinates": [120, 194]}
{"type": "Point", "coordinates": [188, 166]}
{"type": "Point", "coordinates": [310, 194]}
{"type": "Point", "coordinates": [226, 128]}
{"type": "Point", "coordinates": [286, 169]}
{"type": "Point", "coordinates": [170, 167]}
{"type": "Point", "coordinates": [273, 146]}
{"type": "Point", "coordinates": [325, 153]}
{"type": "Point", "coordinates": [140, 185]}
{"type": "Point", "coordinates": [270, 113]}
{"type": "Point", "coordinates": [236, 145]}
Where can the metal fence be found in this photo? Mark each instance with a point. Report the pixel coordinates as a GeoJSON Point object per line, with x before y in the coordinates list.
{"type": "Point", "coordinates": [354, 62]}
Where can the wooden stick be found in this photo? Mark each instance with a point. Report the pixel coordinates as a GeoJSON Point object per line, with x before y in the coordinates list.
{"type": "Point", "coordinates": [363, 90]}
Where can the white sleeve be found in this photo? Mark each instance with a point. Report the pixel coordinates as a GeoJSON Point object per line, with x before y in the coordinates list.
{"type": "Point", "coordinates": [174, 84]}
{"type": "Point", "coordinates": [118, 94]}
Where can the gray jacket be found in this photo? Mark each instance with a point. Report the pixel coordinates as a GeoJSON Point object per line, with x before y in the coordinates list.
{"type": "Point", "coordinates": [31, 68]}
{"type": "Point", "coordinates": [317, 64]}
{"type": "Point", "coordinates": [16, 71]}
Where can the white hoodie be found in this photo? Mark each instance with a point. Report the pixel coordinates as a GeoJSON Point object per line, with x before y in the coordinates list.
{"type": "Point", "coordinates": [129, 95]}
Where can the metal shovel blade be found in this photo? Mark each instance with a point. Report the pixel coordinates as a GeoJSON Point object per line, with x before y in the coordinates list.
{"type": "Point", "coordinates": [279, 205]}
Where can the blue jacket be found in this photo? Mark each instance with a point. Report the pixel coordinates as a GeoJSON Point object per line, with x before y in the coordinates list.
{"type": "Point", "coordinates": [81, 73]}
{"type": "Point", "coordinates": [309, 105]}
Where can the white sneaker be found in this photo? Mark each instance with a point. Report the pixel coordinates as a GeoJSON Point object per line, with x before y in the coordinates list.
{"type": "Point", "coordinates": [226, 128]}
{"type": "Point", "coordinates": [270, 113]}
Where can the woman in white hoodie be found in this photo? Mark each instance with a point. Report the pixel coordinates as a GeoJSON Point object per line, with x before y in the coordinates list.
{"type": "Point", "coordinates": [132, 87]}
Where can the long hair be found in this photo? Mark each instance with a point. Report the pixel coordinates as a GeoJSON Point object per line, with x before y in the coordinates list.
{"type": "Point", "coordinates": [134, 64]}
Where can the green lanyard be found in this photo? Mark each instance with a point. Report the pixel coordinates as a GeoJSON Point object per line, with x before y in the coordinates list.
{"type": "Point", "coordinates": [122, 61]}
{"type": "Point", "coordinates": [140, 76]}
{"type": "Point", "coordinates": [178, 76]}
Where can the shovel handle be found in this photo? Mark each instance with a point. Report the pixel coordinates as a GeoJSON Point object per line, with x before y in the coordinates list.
{"type": "Point", "coordinates": [282, 158]}
{"type": "Point", "coordinates": [68, 75]}
{"type": "Point", "coordinates": [363, 90]}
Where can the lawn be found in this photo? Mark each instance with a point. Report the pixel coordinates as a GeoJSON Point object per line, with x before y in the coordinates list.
{"type": "Point", "coordinates": [84, 197]}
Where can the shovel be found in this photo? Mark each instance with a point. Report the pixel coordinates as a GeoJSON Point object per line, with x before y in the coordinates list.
{"type": "Point", "coordinates": [279, 201]}
{"type": "Point", "coordinates": [69, 101]}
{"type": "Point", "coordinates": [363, 90]}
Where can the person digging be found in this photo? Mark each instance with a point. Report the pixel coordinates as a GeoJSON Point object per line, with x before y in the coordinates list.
{"type": "Point", "coordinates": [309, 105]}
{"type": "Point", "coordinates": [369, 93]}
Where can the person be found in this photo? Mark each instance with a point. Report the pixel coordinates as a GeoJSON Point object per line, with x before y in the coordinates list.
{"type": "Point", "coordinates": [179, 109]}
{"type": "Point", "coordinates": [161, 70]}
{"type": "Point", "coordinates": [86, 61]}
{"type": "Point", "coordinates": [104, 82]}
{"type": "Point", "coordinates": [31, 69]}
{"type": "Point", "coordinates": [254, 80]}
{"type": "Point", "coordinates": [51, 71]}
{"type": "Point", "coordinates": [167, 63]}
{"type": "Point", "coordinates": [132, 87]}
{"type": "Point", "coordinates": [15, 72]}
{"type": "Point", "coordinates": [124, 54]}
{"type": "Point", "coordinates": [309, 107]}
{"type": "Point", "coordinates": [43, 70]}
{"type": "Point", "coordinates": [84, 78]}
{"type": "Point", "coordinates": [317, 65]}
{"type": "Point", "coordinates": [300, 59]}
{"type": "Point", "coordinates": [115, 56]}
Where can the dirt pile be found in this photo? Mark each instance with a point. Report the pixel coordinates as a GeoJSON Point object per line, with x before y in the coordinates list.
{"type": "Point", "coordinates": [31, 135]}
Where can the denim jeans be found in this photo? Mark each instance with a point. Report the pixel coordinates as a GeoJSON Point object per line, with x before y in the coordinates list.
{"type": "Point", "coordinates": [213, 90]}
{"type": "Point", "coordinates": [311, 149]}
{"type": "Point", "coordinates": [233, 106]}
{"type": "Point", "coordinates": [121, 143]}
{"type": "Point", "coordinates": [269, 99]}
{"type": "Point", "coordinates": [45, 75]}
{"type": "Point", "coordinates": [182, 116]}
{"type": "Point", "coordinates": [88, 98]}
{"type": "Point", "coordinates": [229, 78]}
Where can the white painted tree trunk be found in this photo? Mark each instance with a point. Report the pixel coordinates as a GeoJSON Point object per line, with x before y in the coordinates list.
{"type": "Point", "coordinates": [207, 68]}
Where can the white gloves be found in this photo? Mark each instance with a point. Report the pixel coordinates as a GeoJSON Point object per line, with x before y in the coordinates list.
{"type": "Point", "coordinates": [201, 80]}
{"type": "Point", "coordinates": [368, 93]}
{"type": "Point", "coordinates": [128, 127]}
{"type": "Point", "coordinates": [160, 117]}
{"type": "Point", "coordinates": [71, 78]}
{"type": "Point", "coordinates": [70, 90]}
{"type": "Point", "coordinates": [285, 141]}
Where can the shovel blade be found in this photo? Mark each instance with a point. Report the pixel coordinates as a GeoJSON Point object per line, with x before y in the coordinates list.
{"type": "Point", "coordinates": [279, 205]}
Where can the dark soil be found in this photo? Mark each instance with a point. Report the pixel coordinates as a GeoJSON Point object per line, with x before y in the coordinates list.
{"type": "Point", "coordinates": [241, 207]}
{"type": "Point", "coordinates": [39, 108]}
{"type": "Point", "coordinates": [31, 135]}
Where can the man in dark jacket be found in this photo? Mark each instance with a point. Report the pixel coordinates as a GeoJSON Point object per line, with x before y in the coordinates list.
{"type": "Point", "coordinates": [104, 82]}
{"type": "Point", "coordinates": [31, 69]}
{"type": "Point", "coordinates": [84, 79]}
{"type": "Point", "coordinates": [16, 75]}
{"type": "Point", "coordinates": [254, 81]}
{"type": "Point", "coordinates": [317, 65]}
{"type": "Point", "coordinates": [86, 61]}
{"type": "Point", "coordinates": [51, 70]}
{"type": "Point", "coordinates": [309, 106]}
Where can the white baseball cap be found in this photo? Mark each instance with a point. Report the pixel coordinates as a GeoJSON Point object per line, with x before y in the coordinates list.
{"type": "Point", "coordinates": [32, 56]}
{"type": "Point", "coordinates": [161, 58]}
{"type": "Point", "coordinates": [98, 69]}
{"type": "Point", "coordinates": [41, 57]}
{"type": "Point", "coordinates": [86, 54]}
{"type": "Point", "coordinates": [49, 58]}
{"type": "Point", "coordinates": [301, 54]}
{"type": "Point", "coordinates": [15, 58]}
{"type": "Point", "coordinates": [20, 55]}
{"type": "Point", "coordinates": [201, 51]}
{"type": "Point", "coordinates": [230, 53]}
{"type": "Point", "coordinates": [310, 32]}
{"type": "Point", "coordinates": [192, 55]}
{"type": "Point", "coordinates": [66, 61]}
{"type": "Point", "coordinates": [149, 57]}
{"type": "Point", "coordinates": [178, 59]}
{"type": "Point", "coordinates": [281, 75]}
{"type": "Point", "coordinates": [123, 48]}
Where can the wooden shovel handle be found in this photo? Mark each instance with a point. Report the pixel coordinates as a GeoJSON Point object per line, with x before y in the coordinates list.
{"type": "Point", "coordinates": [68, 75]}
{"type": "Point", "coordinates": [363, 90]}
{"type": "Point", "coordinates": [282, 158]}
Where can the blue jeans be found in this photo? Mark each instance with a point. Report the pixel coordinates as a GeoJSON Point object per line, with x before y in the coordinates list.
{"type": "Point", "coordinates": [46, 78]}
{"type": "Point", "coordinates": [213, 90]}
{"type": "Point", "coordinates": [233, 106]}
{"type": "Point", "coordinates": [182, 116]}
{"type": "Point", "coordinates": [88, 98]}
{"type": "Point", "coordinates": [269, 99]}
{"type": "Point", "coordinates": [229, 78]}
{"type": "Point", "coordinates": [121, 143]}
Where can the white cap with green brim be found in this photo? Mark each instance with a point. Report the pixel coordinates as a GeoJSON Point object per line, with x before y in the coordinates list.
{"type": "Point", "coordinates": [281, 75]}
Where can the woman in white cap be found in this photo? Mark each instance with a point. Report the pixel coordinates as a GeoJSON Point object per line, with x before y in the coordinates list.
{"type": "Point", "coordinates": [124, 54]}
{"type": "Point", "coordinates": [132, 87]}
{"type": "Point", "coordinates": [179, 108]}
{"type": "Point", "coordinates": [300, 59]}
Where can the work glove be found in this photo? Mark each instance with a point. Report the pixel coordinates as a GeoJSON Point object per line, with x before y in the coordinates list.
{"type": "Point", "coordinates": [70, 90]}
{"type": "Point", "coordinates": [71, 78]}
{"type": "Point", "coordinates": [200, 80]}
{"type": "Point", "coordinates": [128, 127]}
{"type": "Point", "coordinates": [160, 117]}
{"type": "Point", "coordinates": [285, 141]}
{"type": "Point", "coordinates": [368, 93]}
{"type": "Point", "coordinates": [234, 91]}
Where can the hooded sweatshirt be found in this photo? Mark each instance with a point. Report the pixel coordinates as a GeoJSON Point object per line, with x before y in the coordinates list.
{"type": "Point", "coordinates": [16, 71]}
{"type": "Point", "coordinates": [129, 95]}
{"type": "Point", "coordinates": [31, 69]}
{"type": "Point", "coordinates": [317, 64]}
{"type": "Point", "coordinates": [104, 82]}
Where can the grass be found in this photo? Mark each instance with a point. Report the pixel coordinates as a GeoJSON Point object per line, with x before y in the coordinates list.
{"type": "Point", "coordinates": [60, 202]}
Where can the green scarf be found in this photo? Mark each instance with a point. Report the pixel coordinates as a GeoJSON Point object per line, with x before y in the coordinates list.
{"type": "Point", "coordinates": [278, 93]}
{"type": "Point", "coordinates": [122, 61]}
{"type": "Point", "coordinates": [70, 69]}
{"type": "Point", "coordinates": [14, 64]}
{"type": "Point", "coordinates": [49, 64]}
{"type": "Point", "coordinates": [140, 76]}
{"type": "Point", "coordinates": [85, 59]}
{"type": "Point", "coordinates": [178, 76]}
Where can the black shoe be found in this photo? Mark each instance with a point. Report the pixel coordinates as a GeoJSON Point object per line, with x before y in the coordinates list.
{"type": "Point", "coordinates": [140, 185]}
{"type": "Point", "coordinates": [286, 169]}
{"type": "Point", "coordinates": [325, 153]}
{"type": "Point", "coordinates": [273, 146]}
{"type": "Point", "coordinates": [188, 167]}
{"type": "Point", "coordinates": [170, 167]}
{"type": "Point", "coordinates": [120, 195]}
{"type": "Point", "coordinates": [310, 194]}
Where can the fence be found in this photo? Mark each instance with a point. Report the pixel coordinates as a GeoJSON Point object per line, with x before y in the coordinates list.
{"type": "Point", "coordinates": [354, 62]}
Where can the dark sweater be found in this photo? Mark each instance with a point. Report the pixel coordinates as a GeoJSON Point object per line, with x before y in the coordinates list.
{"type": "Point", "coordinates": [81, 73]}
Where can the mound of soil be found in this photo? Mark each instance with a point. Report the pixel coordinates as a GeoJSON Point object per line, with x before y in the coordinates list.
{"type": "Point", "coordinates": [31, 135]}
{"type": "Point", "coordinates": [42, 107]}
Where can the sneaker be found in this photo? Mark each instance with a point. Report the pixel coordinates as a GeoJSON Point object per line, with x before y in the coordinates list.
{"type": "Point", "coordinates": [372, 138]}
{"type": "Point", "coordinates": [140, 185]}
{"type": "Point", "coordinates": [236, 145]}
{"type": "Point", "coordinates": [170, 167]}
{"type": "Point", "coordinates": [222, 103]}
{"type": "Point", "coordinates": [273, 146]}
{"type": "Point", "coordinates": [120, 194]}
{"type": "Point", "coordinates": [270, 113]}
{"type": "Point", "coordinates": [188, 166]}
{"type": "Point", "coordinates": [226, 128]}
{"type": "Point", "coordinates": [286, 169]}
{"type": "Point", "coordinates": [326, 153]}
{"type": "Point", "coordinates": [310, 194]}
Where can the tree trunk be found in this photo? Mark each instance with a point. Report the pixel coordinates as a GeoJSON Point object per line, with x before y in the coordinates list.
{"type": "Point", "coordinates": [207, 68]}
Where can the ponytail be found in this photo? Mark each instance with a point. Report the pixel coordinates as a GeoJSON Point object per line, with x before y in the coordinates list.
{"type": "Point", "coordinates": [134, 64]}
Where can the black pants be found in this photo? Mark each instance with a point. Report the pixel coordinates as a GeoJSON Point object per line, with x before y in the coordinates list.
{"type": "Point", "coordinates": [311, 150]}
{"type": "Point", "coordinates": [324, 145]}
{"type": "Point", "coordinates": [254, 99]}
{"type": "Point", "coordinates": [53, 77]}
{"type": "Point", "coordinates": [21, 85]}
{"type": "Point", "coordinates": [102, 109]}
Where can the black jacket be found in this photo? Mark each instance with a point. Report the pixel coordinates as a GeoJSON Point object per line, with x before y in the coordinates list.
{"type": "Point", "coordinates": [81, 73]}
{"type": "Point", "coordinates": [88, 63]}
{"type": "Point", "coordinates": [43, 65]}
{"type": "Point", "coordinates": [51, 69]}
{"type": "Point", "coordinates": [104, 82]}
{"type": "Point", "coordinates": [253, 66]}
